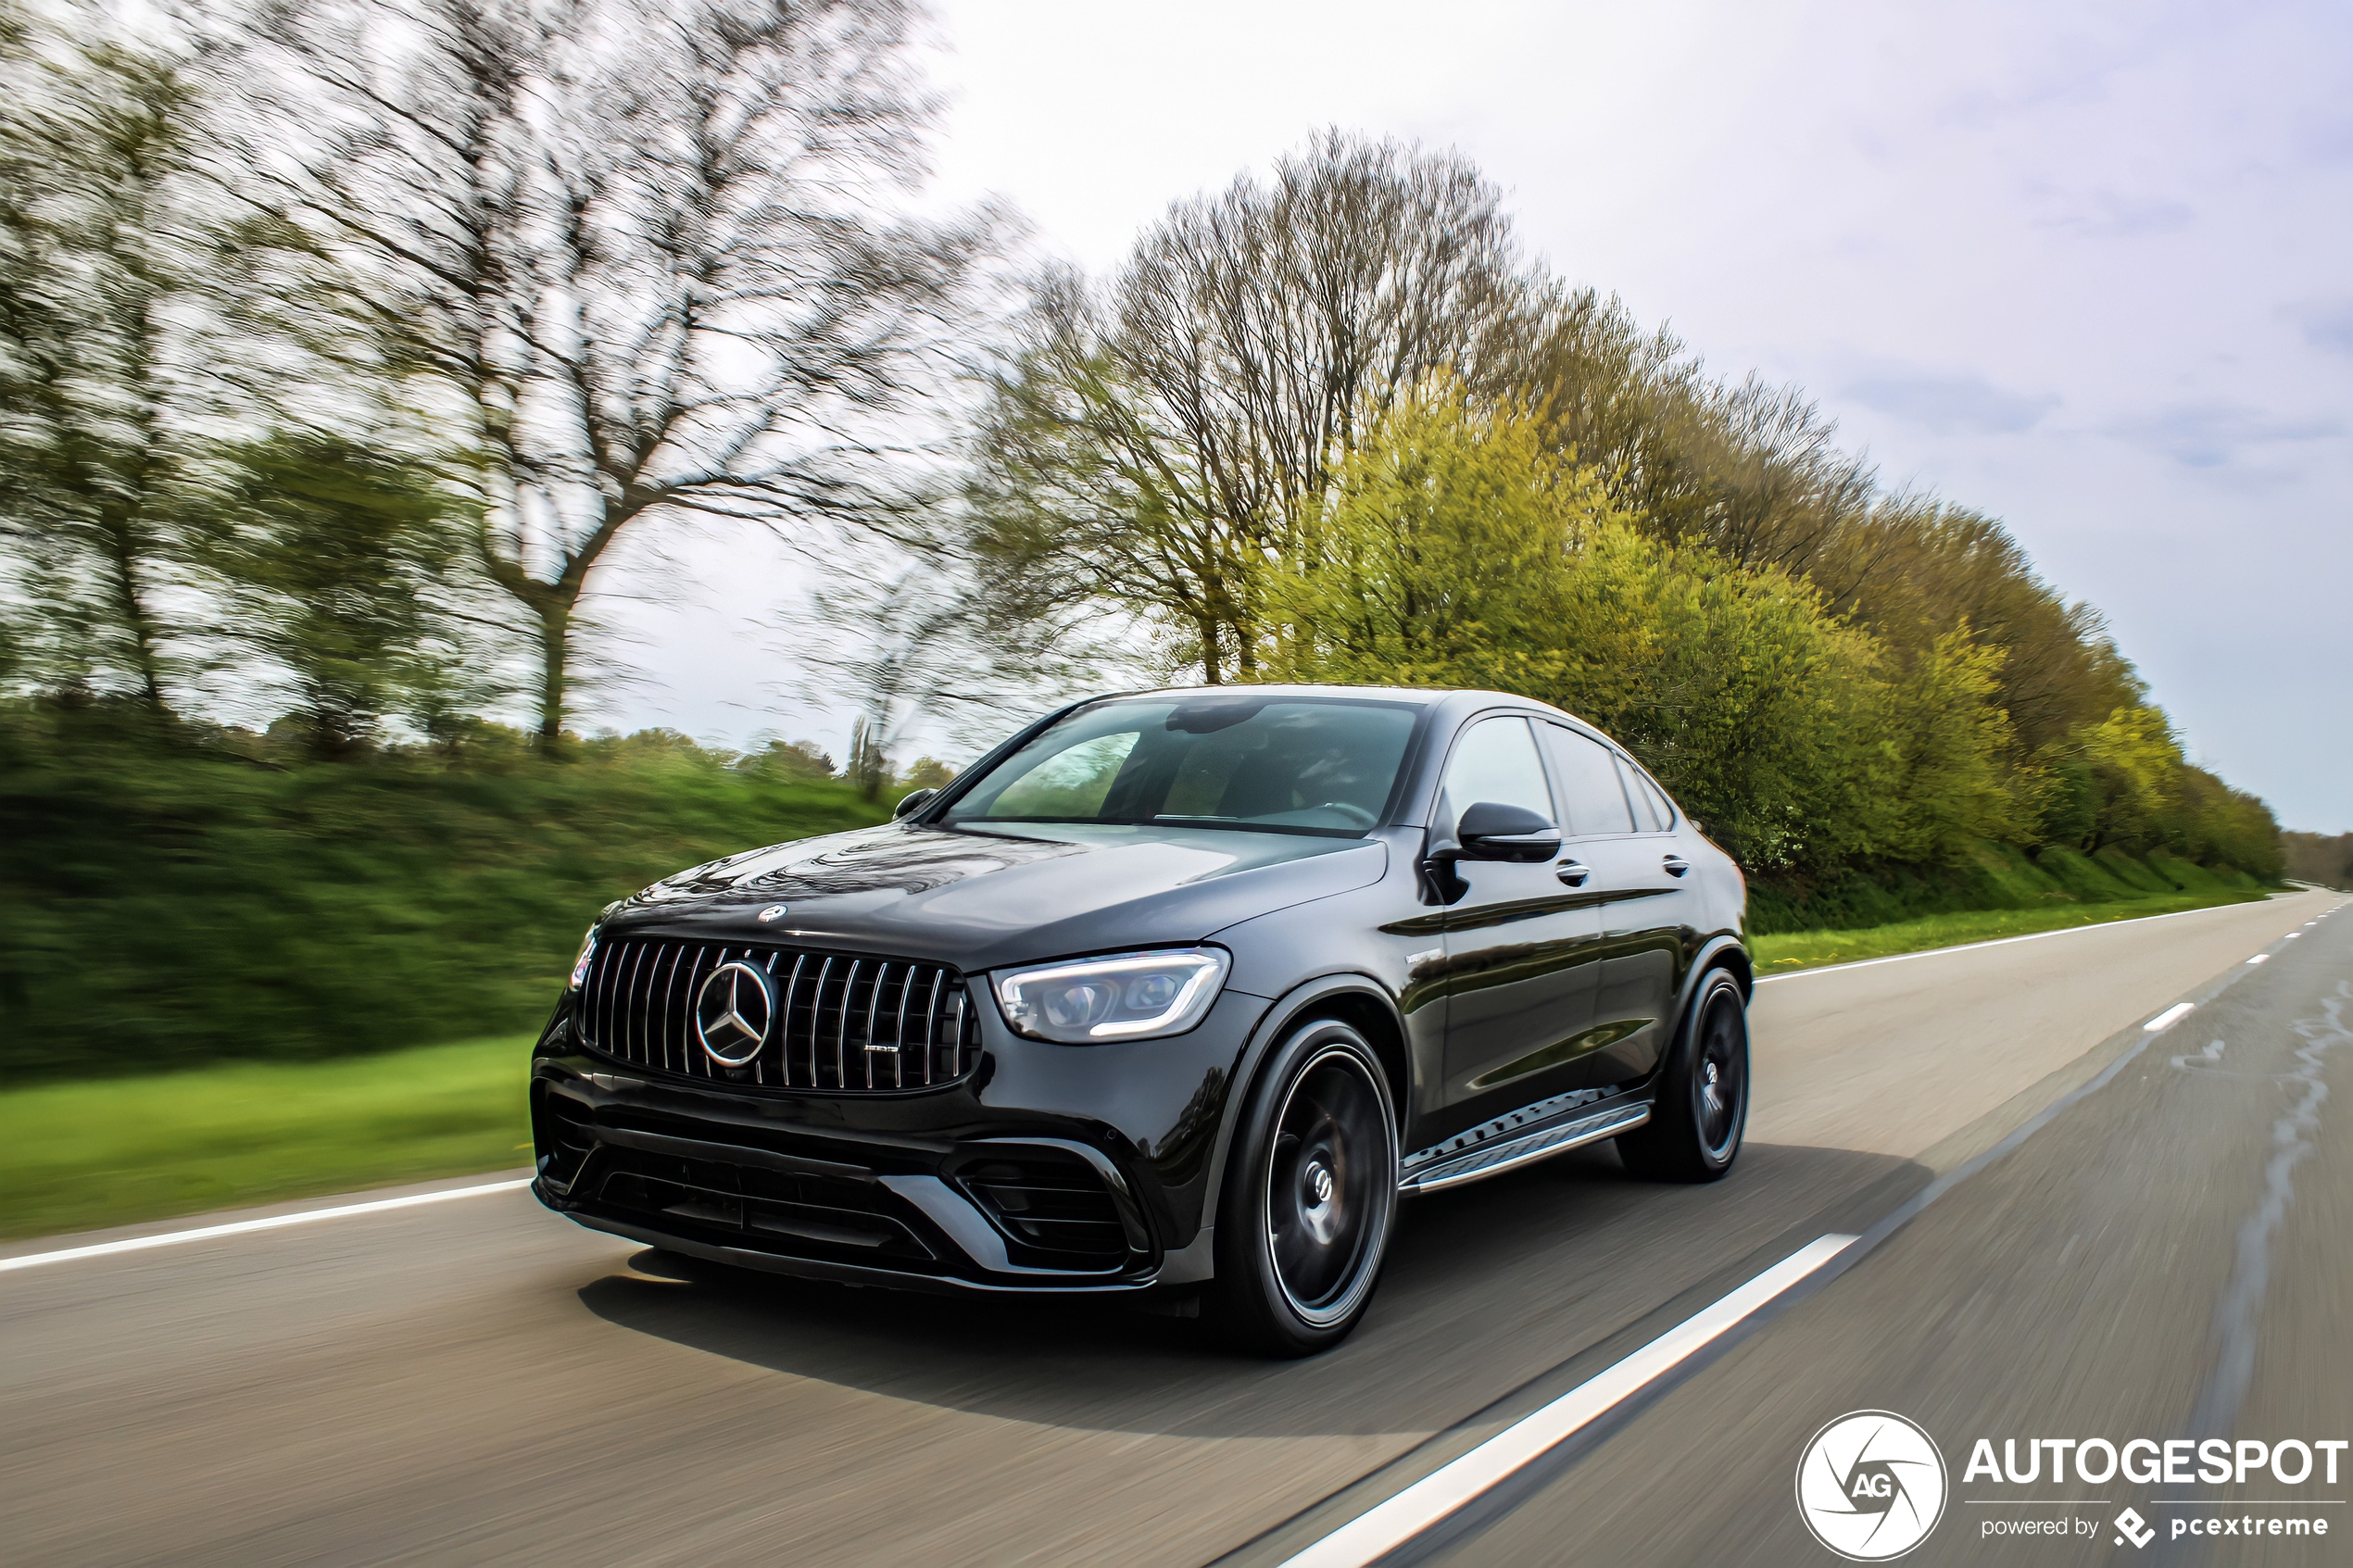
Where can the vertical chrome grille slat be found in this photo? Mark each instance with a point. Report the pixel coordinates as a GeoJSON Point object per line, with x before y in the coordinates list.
{"type": "Point", "coordinates": [867, 1047]}
{"type": "Point", "coordinates": [899, 1032]}
{"type": "Point", "coordinates": [662, 1032]}
{"type": "Point", "coordinates": [784, 1031]}
{"type": "Point", "coordinates": [931, 1021]}
{"type": "Point", "coordinates": [775, 1035]}
{"type": "Point", "coordinates": [817, 1023]}
{"type": "Point", "coordinates": [624, 1025]}
{"type": "Point", "coordinates": [604, 996]}
{"type": "Point", "coordinates": [841, 1027]}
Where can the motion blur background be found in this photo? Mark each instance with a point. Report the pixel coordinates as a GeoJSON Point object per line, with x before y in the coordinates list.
{"type": "Point", "coordinates": [459, 462]}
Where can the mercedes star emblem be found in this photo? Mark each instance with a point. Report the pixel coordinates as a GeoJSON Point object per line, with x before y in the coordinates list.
{"type": "Point", "coordinates": [771, 912]}
{"type": "Point", "coordinates": [733, 1011]}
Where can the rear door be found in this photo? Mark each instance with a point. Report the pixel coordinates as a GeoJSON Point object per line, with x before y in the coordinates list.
{"type": "Point", "coordinates": [1623, 847]}
{"type": "Point", "coordinates": [1519, 974]}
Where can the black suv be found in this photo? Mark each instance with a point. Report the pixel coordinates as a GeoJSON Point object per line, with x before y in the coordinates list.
{"type": "Point", "coordinates": [1173, 990]}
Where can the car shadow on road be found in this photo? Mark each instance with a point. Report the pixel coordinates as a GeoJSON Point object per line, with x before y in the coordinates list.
{"type": "Point", "coordinates": [1486, 1286]}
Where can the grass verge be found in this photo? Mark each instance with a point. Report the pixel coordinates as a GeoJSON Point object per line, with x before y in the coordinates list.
{"type": "Point", "coordinates": [78, 1156]}
{"type": "Point", "coordinates": [1779, 954]}
{"type": "Point", "coordinates": [112, 1151]}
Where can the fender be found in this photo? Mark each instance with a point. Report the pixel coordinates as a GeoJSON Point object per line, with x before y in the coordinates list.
{"type": "Point", "coordinates": [1278, 1022]}
{"type": "Point", "coordinates": [1724, 951]}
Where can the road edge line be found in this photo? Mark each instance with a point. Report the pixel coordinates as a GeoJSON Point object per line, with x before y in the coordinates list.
{"type": "Point", "coordinates": [1444, 1491]}
{"type": "Point", "coordinates": [272, 1222]}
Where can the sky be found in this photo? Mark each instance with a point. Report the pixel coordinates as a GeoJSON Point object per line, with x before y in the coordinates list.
{"type": "Point", "coordinates": [2086, 267]}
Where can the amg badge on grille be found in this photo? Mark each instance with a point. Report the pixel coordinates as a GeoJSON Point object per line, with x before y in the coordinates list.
{"type": "Point", "coordinates": [733, 1012]}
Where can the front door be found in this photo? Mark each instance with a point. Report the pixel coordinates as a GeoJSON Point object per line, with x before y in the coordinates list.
{"type": "Point", "coordinates": [1519, 974]}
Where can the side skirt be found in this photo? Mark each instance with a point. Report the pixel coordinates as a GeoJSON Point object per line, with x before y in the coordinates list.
{"type": "Point", "coordinates": [1436, 1169]}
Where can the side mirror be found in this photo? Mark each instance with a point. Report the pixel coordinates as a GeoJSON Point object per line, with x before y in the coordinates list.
{"type": "Point", "coordinates": [1512, 834]}
{"type": "Point", "coordinates": [914, 801]}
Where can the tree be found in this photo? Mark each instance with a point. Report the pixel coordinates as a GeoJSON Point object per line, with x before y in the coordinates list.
{"type": "Point", "coordinates": [101, 249]}
{"type": "Point", "coordinates": [1460, 549]}
{"type": "Point", "coordinates": [1154, 439]}
{"type": "Point", "coordinates": [339, 566]}
{"type": "Point", "coordinates": [643, 250]}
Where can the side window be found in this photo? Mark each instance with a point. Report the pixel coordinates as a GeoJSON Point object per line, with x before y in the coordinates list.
{"type": "Point", "coordinates": [1645, 811]}
{"type": "Point", "coordinates": [1589, 791]}
{"type": "Point", "coordinates": [1662, 808]}
{"type": "Point", "coordinates": [1496, 760]}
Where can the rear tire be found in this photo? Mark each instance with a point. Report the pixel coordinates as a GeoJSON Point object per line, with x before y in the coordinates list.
{"type": "Point", "coordinates": [1695, 1127]}
{"type": "Point", "coordinates": [1310, 1195]}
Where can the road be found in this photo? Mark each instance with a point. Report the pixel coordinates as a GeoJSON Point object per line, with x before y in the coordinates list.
{"type": "Point", "coordinates": [477, 1381]}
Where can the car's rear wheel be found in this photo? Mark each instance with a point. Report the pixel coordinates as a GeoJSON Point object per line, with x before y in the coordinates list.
{"type": "Point", "coordinates": [1694, 1131]}
{"type": "Point", "coordinates": [1310, 1194]}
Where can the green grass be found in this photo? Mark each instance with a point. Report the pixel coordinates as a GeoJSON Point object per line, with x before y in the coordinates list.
{"type": "Point", "coordinates": [78, 1156]}
{"type": "Point", "coordinates": [1779, 953]}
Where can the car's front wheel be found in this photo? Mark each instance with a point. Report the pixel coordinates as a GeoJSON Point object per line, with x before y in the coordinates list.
{"type": "Point", "coordinates": [1310, 1194]}
{"type": "Point", "coordinates": [1694, 1131]}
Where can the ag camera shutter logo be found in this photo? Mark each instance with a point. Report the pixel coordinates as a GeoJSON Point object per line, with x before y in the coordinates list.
{"type": "Point", "coordinates": [1871, 1485]}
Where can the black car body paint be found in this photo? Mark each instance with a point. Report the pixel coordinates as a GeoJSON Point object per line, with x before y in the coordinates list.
{"type": "Point", "coordinates": [1524, 1001]}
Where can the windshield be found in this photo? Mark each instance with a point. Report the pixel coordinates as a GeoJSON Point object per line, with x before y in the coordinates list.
{"type": "Point", "coordinates": [1320, 765]}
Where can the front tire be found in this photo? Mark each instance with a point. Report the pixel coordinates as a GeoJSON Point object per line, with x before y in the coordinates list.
{"type": "Point", "coordinates": [1695, 1127]}
{"type": "Point", "coordinates": [1310, 1195]}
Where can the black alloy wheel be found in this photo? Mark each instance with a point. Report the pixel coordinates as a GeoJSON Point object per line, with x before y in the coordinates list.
{"type": "Point", "coordinates": [1694, 1131]}
{"type": "Point", "coordinates": [1310, 1194]}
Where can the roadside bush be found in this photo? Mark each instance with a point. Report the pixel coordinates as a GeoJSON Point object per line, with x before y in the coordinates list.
{"type": "Point", "coordinates": [162, 905]}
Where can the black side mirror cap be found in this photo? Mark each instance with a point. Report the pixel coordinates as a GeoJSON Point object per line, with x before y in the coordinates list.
{"type": "Point", "coordinates": [913, 801]}
{"type": "Point", "coordinates": [1489, 830]}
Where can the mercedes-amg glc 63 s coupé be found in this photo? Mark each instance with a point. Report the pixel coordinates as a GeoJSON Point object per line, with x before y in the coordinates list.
{"type": "Point", "coordinates": [1176, 992]}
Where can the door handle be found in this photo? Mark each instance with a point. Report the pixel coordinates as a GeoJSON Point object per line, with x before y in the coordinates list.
{"type": "Point", "coordinates": [1676, 865]}
{"type": "Point", "coordinates": [1571, 872]}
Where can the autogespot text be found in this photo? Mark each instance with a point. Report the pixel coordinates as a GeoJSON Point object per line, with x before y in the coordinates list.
{"type": "Point", "coordinates": [2180, 1463]}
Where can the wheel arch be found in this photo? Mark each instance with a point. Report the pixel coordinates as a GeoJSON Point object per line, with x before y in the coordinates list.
{"type": "Point", "coordinates": [1725, 952]}
{"type": "Point", "coordinates": [1357, 1001]}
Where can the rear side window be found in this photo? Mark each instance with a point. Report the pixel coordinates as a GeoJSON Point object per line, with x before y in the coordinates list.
{"type": "Point", "coordinates": [1589, 791]}
{"type": "Point", "coordinates": [1495, 760]}
{"type": "Point", "coordinates": [1661, 808]}
{"type": "Point", "coordinates": [1646, 814]}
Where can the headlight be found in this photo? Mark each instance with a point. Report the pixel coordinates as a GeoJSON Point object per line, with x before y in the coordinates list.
{"type": "Point", "coordinates": [580, 964]}
{"type": "Point", "coordinates": [1128, 997]}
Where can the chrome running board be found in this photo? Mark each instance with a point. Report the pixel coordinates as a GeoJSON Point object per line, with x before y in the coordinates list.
{"type": "Point", "coordinates": [1493, 1159]}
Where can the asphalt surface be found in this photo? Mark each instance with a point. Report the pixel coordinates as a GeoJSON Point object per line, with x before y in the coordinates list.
{"type": "Point", "coordinates": [478, 1381]}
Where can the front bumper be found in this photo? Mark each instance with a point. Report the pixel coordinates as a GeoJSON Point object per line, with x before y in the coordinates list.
{"type": "Point", "coordinates": [1051, 1167]}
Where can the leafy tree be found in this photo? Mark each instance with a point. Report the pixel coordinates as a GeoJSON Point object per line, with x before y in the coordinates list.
{"type": "Point", "coordinates": [1945, 778]}
{"type": "Point", "coordinates": [2137, 765]}
{"type": "Point", "coordinates": [1460, 550]}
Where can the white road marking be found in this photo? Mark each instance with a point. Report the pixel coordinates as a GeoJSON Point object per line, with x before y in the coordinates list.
{"type": "Point", "coordinates": [1399, 1519]}
{"type": "Point", "coordinates": [2170, 1017]}
{"type": "Point", "coordinates": [239, 1228]}
{"type": "Point", "coordinates": [1996, 942]}
{"type": "Point", "coordinates": [2260, 958]}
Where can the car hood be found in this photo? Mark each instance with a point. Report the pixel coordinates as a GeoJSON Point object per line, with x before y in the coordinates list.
{"type": "Point", "coordinates": [1010, 894]}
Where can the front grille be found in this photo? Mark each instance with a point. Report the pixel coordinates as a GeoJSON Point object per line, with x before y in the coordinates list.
{"type": "Point", "coordinates": [843, 1022]}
